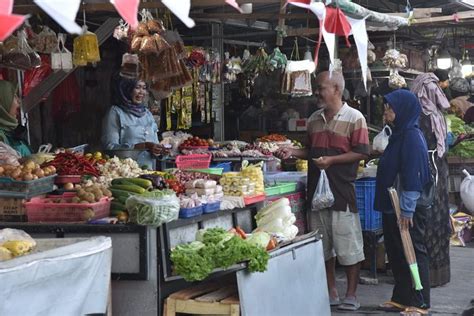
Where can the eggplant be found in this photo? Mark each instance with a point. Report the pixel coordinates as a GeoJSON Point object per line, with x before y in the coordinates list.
{"type": "Point", "coordinates": [157, 181]}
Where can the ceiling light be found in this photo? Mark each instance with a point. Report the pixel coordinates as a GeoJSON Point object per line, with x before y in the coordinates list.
{"type": "Point", "coordinates": [466, 65]}
{"type": "Point", "coordinates": [443, 60]}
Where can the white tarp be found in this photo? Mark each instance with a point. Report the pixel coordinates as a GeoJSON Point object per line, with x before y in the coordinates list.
{"type": "Point", "coordinates": [69, 276]}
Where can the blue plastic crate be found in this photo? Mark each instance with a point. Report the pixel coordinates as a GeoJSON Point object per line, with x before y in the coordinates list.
{"type": "Point", "coordinates": [226, 166]}
{"type": "Point", "coordinates": [370, 219]}
{"type": "Point", "coordinates": [211, 207]}
{"type": "Point", "coordinates": [190, 212]}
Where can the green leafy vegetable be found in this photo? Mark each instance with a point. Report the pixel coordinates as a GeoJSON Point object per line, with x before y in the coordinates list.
{"type": "Point", "coordinates": [189, 261]}
{"type": "Point", "coordinates": [456, 125]}
{"type": "Point", "coordinates": [464, 149]}
{"type": "Point", "coordinates": [218, 249]}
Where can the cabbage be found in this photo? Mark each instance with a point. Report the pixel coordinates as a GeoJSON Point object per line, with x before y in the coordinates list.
{"type": "Point", "coordinates": [281, 212]}
{"type": "Point", "coordinates": [260, 239]}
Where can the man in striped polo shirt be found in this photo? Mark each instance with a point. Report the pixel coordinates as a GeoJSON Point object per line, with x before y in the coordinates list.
{"type": "Point", "coordinates": [338, 140]}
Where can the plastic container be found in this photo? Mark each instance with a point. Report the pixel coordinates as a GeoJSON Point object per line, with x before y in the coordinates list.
{"type": "Point", "coordinates": [211, 207]}
{"type": "Point", "coordinates": [365, 194]}
{"type": "Point", "coordinates": [281, 188]}
{"type": "Point", "coordinates": [43, 210]}
{"type": "Point", "coordinates": [26, 189]}
{"type": "Point", "coordinates": [191, 212]}
{"type": "Point", "coordinates": [68, 179]}
{"type": "Point", "coordinates": [193, 147]}
{"type": "Point", "coordinates": [226, 166]}
{"type": "Point", "coordinates": [254, 199]}
{"type": "Point", "coordinates": [282, 177]}
{"type": "Point", "coordinates": [193, 161]}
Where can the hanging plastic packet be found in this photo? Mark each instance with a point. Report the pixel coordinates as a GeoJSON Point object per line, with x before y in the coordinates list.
{"type": "Point", "coordinates": [61, 58]}
{"type": "Point", "coordinates": [86, 48]}
{"type": "Point", "coordinates": [395, 81]}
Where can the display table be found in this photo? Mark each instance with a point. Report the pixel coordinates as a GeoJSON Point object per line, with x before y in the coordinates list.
{"type": "Point", "coordinates": [141, 269]}
{"type": "Point", "coordinates": [68, 276]}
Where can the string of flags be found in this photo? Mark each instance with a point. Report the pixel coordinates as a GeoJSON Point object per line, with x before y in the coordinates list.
{"type": "Point", "coordinates": [332, 21]}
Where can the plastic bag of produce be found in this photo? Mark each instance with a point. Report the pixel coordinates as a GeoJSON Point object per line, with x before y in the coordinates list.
{"type": "Point", "coordinates": [467, 191]}
{"type": "Point", "coordinates": [153, 208]}
{"type": "Point", "coordinates": [381, 140]}
{"type": "Point", "coordinates": [323, 196]}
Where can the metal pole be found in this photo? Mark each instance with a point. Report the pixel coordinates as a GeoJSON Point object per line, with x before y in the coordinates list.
{"type": "Point", "coordinates": [218, 89]}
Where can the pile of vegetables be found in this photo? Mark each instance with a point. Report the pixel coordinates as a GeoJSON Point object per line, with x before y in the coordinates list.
{"type": "Point", "coordinates": [153, 208]}
{"type": "Point", "coordinates": [277, 219]}
{"type": "Point", "coordinates": [91, 194]}
{"type": "Point", "coordinates": [117, 168]}
{"type": "Point", "coordinates": [463, 132]}
{"type": "Point", "coordinates": [72, 164]}
{"type": "Point", "coordinates": [217, 248]}
{"type": "Point", "coordinates": [26, 172]}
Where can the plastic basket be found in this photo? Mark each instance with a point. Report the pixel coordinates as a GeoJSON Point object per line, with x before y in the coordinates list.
{"type": "Point", "coordinates": [226, 166]}
{"type": "Point", "coordinates": [281, 177]}
{"type": "Point", "coordinates": [281, 188]}
{"type": "Point", "coordinates": [193, 161]}
{"type": "Point", "coordinates": [211, 207]}
{"type": "Point", "coordinates": [68, 179]}
{"type": "Point", "coordinates": [78, 149]}
{"type": "Point", "coordinates": [43, 210]}
{"type": "Point", "coordinates": [26, 189]}
{"type": "Point", "coordinates": [365, 194]}
{"type": "Point", "coordinates": [190, 212]}
{"type": "Point", "coordinates": [254, 199]}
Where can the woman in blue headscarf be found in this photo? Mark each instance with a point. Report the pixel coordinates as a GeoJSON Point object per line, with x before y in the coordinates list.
{"type": "Point", "coordinates": [129, 124]}
{"type": "Point", "coordinates": [406, 156]}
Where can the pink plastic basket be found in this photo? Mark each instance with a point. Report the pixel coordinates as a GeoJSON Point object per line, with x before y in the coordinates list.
{"type": "Point", "coordinates": [44, 210]}
{"type": "Point", "coordinates": [193, 161]}
{"type": "Point", "coordinates": [68, 179]}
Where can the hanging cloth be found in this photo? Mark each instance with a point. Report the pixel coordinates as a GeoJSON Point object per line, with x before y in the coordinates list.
{"type": "Point", "coordinates": [337, 23]}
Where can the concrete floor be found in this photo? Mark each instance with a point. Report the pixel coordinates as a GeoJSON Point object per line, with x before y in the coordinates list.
{"type": "Point", "coordinates": [450, 299]}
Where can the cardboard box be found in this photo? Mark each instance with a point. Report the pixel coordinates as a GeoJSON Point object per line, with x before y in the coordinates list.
{"type": "Point", "coordinates": [297, 125]}
{"type": "Point", "coordinates": [12, 210]}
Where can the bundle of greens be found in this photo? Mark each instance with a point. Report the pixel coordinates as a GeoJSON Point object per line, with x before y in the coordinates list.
{"type": "Point", "coordinates": [216, 248]}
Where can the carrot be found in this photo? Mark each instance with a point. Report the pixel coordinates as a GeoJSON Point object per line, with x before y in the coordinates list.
{"type": "Point", "coordinates": [241, 232]}
{"type": "Point", "coordinates": [271, 244]}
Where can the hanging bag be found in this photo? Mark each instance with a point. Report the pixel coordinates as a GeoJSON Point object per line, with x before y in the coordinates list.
{"type": "Point", "coordinates": [323, 197]}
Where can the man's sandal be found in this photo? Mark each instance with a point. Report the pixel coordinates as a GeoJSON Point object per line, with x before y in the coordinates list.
{"type": "Point", "coordinates": [391, 306]}
{"type": "Point", "coordinates": [415, 311]}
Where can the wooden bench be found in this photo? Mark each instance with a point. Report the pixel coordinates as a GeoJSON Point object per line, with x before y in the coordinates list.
{"type": "Point", "coordinates": [205, 299]}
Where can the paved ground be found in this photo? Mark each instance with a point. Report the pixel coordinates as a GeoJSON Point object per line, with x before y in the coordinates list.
{"type": "Point", "coordinates": [450, 299]}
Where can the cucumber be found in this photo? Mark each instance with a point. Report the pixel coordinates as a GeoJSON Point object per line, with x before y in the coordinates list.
{"type": "Point", "coordinates": [122, 199]}
{"type": "Point", "coordinates": [129, 187]}
{"type": "Point", "coordinates": [144, 183]}
{"type": "Point", "coordinates": [121, 193]}
{"type": "Point", "coordinates": [117, 206]}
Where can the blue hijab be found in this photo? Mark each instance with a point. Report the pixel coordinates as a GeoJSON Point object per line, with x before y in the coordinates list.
{"type": "Point", "coordinates": [406, 153]}
{"type": "Point", "coordinates": [125, 92]}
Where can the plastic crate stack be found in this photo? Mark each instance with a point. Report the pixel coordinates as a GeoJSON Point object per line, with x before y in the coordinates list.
{"type": "Point", "coordinates": [370, 219]}
{"type": "Point", "coordinates": [14, 194]}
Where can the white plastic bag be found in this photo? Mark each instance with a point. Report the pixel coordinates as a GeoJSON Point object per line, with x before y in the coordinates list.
{"type": "Point", "coordinates": [381, 140]}
{"type": "Point", "coordinates": [61, 58]}
{"type": "Point", "coordinates": [467, 191]}
{"type": "Point", "coordinates": [323, 197]}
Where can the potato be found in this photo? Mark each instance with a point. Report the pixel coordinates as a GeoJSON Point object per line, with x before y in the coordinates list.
{"type": "Point", "coordinates": [69, 186]}
{"type": "Point", "coordinates": [76, 199]}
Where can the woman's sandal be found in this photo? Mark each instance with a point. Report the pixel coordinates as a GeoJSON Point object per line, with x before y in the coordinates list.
{"type": "Point", "coordinates": [391, 306]}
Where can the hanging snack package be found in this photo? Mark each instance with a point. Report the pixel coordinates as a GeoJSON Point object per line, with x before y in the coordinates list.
{"type": "Point", "coordinates": [142, 29]}
{"type": "Point", "coordinates": [47, 41]}
{"type": "Point", "coordinates": [79, 53]}
{"type": "Point", "coordinates": [160, 42]}
{"type": "Point", "coordinates": [136, 43]}
{"type": "Point", "coordinates": [175, 40]}
{"type": "Point", "coordinates": [121, 31]}
{"type": "Point", "coordinates": [148, 45]}
{"type": "Point", "coordinates": [20, 57]}
{"type": "Point", "coordinates": [92, 47]}
{"type": "Point", "coordinates": [155, 26]}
